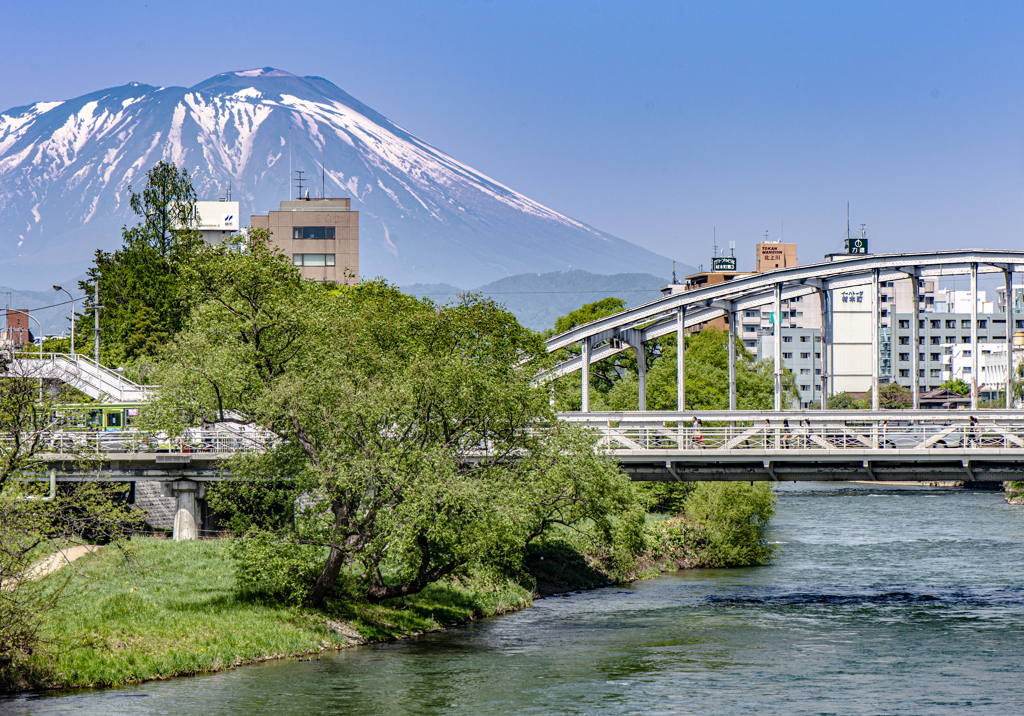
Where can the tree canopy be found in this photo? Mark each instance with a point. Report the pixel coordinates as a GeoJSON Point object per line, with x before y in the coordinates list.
{"type": "Point", "coordinates": [412, 432]}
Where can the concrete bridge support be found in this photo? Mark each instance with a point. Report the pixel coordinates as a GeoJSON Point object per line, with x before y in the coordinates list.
{"type": "Point", "coordinates": [187, 516]}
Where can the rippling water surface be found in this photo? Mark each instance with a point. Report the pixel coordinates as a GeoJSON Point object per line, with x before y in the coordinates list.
{"type": "Point", "coordinates": [882, 601]}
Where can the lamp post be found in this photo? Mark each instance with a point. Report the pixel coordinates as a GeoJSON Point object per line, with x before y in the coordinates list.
{"type": "Point", "coordinates": [26, 315]}
{"type": "Point", "coordinates": [58, 288]}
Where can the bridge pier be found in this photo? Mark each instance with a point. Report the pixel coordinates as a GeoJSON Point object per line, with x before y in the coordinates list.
{"type": "Point", "coordinates": [187, 516]}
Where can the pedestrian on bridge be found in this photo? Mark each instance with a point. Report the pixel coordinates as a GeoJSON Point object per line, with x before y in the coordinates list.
{"type": "Point", "coordinates": [973, 433]}
{"type": "Point", "coordinates": [767, 431]}
{"type": "Point", "coordinates": [698, 435]}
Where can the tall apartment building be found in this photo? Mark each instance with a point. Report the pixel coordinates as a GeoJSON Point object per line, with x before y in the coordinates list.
{"type": "Point", "coordinates": [801, 354]}
{"type": "Point", "coordinates": [321, 236]}
{"type": "Point", "coordinates": [940, 337]}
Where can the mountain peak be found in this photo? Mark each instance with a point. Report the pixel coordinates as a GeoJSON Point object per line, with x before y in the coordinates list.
{"type": "Point", "coordinates": [66, 169]}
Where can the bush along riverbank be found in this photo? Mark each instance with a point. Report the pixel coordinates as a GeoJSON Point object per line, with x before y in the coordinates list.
{"type": "Point", "coordinates": [181, 608]}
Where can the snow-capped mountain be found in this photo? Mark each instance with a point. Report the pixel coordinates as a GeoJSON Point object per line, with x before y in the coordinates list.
{"type": "Point", "coordinates": [66, 168]}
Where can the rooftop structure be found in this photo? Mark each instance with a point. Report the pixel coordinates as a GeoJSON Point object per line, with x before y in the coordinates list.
{"type": "Point", "coordinates": [320, 235]}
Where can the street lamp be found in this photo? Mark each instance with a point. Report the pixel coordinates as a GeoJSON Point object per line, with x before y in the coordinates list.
{"type": "Point", "coordinates": [26, 314]}
{"type": "Point", "coordinates": [58, 288]}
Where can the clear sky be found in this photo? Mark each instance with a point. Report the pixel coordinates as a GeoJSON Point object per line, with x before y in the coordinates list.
{"type": "Point", "coordinates": [655, 121]}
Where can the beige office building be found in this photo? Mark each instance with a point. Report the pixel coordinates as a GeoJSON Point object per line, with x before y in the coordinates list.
{"type": "Point", "coordinates": [321, 236]}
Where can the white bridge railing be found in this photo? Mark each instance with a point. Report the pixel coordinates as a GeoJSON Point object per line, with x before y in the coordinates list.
{"type": "Point", "coordinates": [216, 440]}
{"type": "Point", "coordinates": [872, 436]}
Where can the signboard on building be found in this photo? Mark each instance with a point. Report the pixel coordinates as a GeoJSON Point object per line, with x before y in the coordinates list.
{"type": "Point", "coordinates": [217, 215]}
{"type": "Point", "coordinates": [857, 246]}
{"type": "Point", "coordinates": [723, 263]}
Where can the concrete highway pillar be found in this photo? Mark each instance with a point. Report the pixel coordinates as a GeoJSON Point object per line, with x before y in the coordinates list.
{"type": "Point", "coordinates": [778, 347]}
{"type": "Point", "coordinates": [875, 327]}
{"type": "Point", "coordinates": [1008, 282]}
{"type": "Point", "coordinates": [974, 336]}
{"type": "Point", "coordinates": [681, 359]}
{"type": "Point", "coordinates": [915, 340]}
{"type": "Point", "coordinates": [585, 376]}
{"type": "Point", "coordinates": [732, 359]}
{"type": "Point", "coordinates": [187, 520]}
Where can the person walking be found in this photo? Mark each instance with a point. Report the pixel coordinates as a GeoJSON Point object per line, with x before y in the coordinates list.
{"type": "Point", "coordinates": [698, 435]}
{"type": "Point", "coordinates": [974, 436]}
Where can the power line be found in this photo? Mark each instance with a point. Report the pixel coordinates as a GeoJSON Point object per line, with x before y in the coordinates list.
{"type": "Point", "coordinates": [518, 293]}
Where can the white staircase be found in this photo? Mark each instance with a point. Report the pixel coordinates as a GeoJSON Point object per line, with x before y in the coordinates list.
{"type": "Point", "coordinates": [79, 372]}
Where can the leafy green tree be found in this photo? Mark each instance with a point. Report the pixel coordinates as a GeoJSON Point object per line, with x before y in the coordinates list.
{"type": "Point", "coordinates": [140, 283]}
{"type": "Point", "coordinates": [843, 401]}
{"type": "Point", "coordinates": [734, 516]}
{"type": "Point", "coordinates": [958, 386]}
{"type": "Point", "coordinates": [412, 431]}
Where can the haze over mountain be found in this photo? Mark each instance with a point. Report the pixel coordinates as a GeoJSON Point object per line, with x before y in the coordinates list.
{"type": "Point", "coordinates": [538, 299]}
{"type": "Point", "coordinates": [66, 168]}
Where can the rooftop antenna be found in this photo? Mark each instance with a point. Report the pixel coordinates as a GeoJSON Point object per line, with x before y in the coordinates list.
{"type": "Point", "coordinates": [863, 230]}
{"type": "Point", "coordinates": [714, 242]}
{"type": "Point", "coordinates": [732, 248]}
{"type": "Point", "coordinates": [298, 181]}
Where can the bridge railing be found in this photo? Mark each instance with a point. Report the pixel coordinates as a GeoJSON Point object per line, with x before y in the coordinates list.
{"type": "Point", "coordinates": [815, 437]}
{"type": "Point", "coordinates": [132, 441]}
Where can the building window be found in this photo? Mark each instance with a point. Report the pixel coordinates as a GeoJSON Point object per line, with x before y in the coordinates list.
{"type": "Point", "coordinates": [967, 354]}
{"type": "Point", "coordinates": [885, 298]}
{"type": "Point", "coordinates": [982, 324]}
{"type": "Point", "coordinates": [313, 232]}
{"type": "Point", "coordinates": [805, 355]}
{"type": "Point", "coordinates": [750, 314]}
{"type": "Point", "coordinates": [804, 339]}
{"type": "Point", "coordinates": [904, 356]}
{"type": "Point", "coordinates": [936, 340]}
{"type": "Point", "coordinates": [817, 371]}
{"type": "Point", "coordinates": [904, 324]}
{"type": "Point", "coordinates": [904, 373]}
{"type": "Point", "coordinates": [1018, 323]}
{"type": "Point", "coordinates": [936, 356]}
{"type": "Point", "coordinates": [967, 369]}
{"type": "Point", "coordinates": [817, 356]}
{"type": "Point", "coordinates": [920, 324]}
{"type": "Point", "coordinates": [950, 339]}
{"type": "Point", "coordinates": [935, 373]}
{"type": "Point", "coordinates": [749, 329]}
{"type": "Point", "coordinates": [313, 259]}
{"type": "Point", "coordinates": [885, 312]}
{"type": "Point", "coordinates": [904, 340]}
{"type": "Point", "coordinates": [805, 371]}
{"type": "Point", "coordinates": [920, 356]}
{"type": "Point", "coordinates": [936, 324]}
{"type": "Point", "coordinates": [966, 324]}
{"type": "Point", "coordinates": [787, 339]}
{"type": "Point", "coordinates": [963, 339]}
{"type": "Point", "coordinates": [920, 372]}
{"type": "Point", "coordinates": [787, 356]}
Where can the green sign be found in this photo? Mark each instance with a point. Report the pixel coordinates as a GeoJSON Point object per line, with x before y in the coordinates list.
{"type": "Point", "coordinates": [724, 263]}
{"type": "Point", "coordinates": [856, 246]}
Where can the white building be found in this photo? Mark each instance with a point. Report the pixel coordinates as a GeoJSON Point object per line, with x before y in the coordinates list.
{"type": "Point", "coordinates": [953, 301]}
{"type": "Point", "coordinates": [956, 364]}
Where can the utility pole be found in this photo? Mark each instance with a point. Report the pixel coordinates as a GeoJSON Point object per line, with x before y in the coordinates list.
{"type": "Point", "coordinates": [96, 315]}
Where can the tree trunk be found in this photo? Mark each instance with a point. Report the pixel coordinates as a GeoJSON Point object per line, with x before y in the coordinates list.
{"type": "Point", "coordinates": [328, 576]}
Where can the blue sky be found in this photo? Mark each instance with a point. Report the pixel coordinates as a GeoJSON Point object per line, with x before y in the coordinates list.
{"type": "Point", "coordinates": [657, 122]}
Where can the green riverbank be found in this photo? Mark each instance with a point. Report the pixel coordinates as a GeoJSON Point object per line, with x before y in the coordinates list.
{"type": "Point", "coordinates": [173, 610]}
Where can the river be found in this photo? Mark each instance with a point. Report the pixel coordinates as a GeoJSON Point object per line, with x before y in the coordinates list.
{"type": "Point", "coordinates": [882, 600]}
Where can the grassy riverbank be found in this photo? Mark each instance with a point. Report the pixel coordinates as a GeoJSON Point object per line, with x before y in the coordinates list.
{"type": "Point", "coordinates": [173, 611]}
